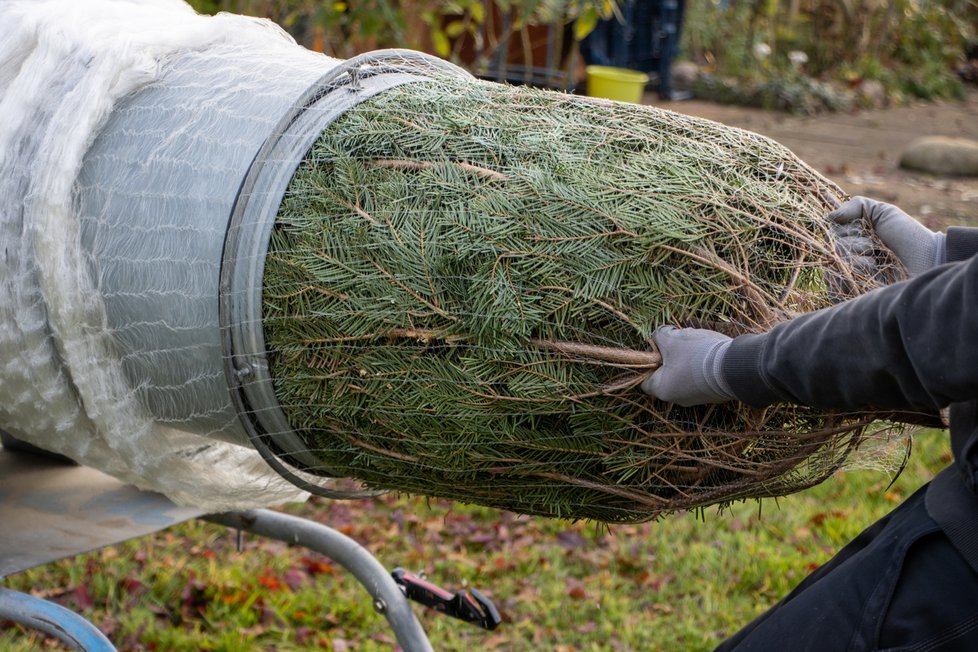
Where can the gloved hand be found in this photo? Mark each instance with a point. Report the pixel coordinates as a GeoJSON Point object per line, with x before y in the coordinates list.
{"type": "Point", "coordinates": [690, 371]}
{"type": "Point", "coordinates": [917, 247]}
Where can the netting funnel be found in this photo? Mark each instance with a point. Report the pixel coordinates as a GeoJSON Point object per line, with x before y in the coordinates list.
{"type": "Point", "coordinates": [128, 129]}
{"type": "Point", "coordinates": [198, 168]}
{"type": "Point", "coordinates": [253, 218]}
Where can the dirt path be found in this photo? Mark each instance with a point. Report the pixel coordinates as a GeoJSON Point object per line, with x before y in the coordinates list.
{"type": "Point", "coordinates": [861, 151]}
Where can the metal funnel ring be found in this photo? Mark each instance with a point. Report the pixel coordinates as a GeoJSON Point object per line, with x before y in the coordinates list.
{"type": "Point", "coordinates": [246, 244]}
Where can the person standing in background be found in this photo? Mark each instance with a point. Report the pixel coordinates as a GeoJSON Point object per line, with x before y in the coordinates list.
{"type": "Point", "coordinates": [646, 37]}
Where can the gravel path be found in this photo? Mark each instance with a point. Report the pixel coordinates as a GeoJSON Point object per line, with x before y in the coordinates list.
{"type": "Point", "coordinates": [861, 151]}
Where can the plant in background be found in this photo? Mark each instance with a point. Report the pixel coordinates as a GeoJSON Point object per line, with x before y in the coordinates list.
{"type": "Point", "coordinates": [340, 28]}
{"type": "Point", "coordinates": [930, 46]}
{"type": "Point", "coordinates": [478, 34]}
{"type": "Point", "coordinates": [452, 19]}
{"type": "Point", "coordinates": [533, 41]}
{"type": "Point", "coordinates": [911, 48]}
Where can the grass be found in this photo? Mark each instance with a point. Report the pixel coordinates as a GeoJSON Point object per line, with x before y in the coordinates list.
{"type": "Point", "coordinates": [682, 583]}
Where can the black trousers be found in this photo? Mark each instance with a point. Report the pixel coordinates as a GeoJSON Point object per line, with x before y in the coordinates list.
{"type": "Point", "coordinates": [898, 586]}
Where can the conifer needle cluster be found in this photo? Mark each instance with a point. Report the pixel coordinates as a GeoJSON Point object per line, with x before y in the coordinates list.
{"type": "Point", "coordinates": [464, 276]}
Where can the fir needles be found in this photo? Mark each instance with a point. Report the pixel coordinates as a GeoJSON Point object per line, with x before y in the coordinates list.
{"type": "Point", "coordinates": [462, 282]}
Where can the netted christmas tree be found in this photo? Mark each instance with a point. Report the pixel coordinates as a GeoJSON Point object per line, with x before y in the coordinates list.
{"type": "Point", "coordinates": [463, 279]}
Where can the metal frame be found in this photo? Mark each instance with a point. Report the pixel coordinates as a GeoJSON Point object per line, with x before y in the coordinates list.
{"type": "Point", "coordinates": [50, 510]}
{"type": "Point", "coordinates": [388, 598]}
{"type": "Point", "coordinates": [556, 71]}
{"type": "Point", "coordinates": [54, 620]}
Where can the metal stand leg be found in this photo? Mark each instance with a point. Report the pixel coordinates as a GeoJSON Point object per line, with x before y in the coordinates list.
{"type": "Point", "coordinates": [387, 596]}
{"type": "Point", "coordinates": [54, 620]}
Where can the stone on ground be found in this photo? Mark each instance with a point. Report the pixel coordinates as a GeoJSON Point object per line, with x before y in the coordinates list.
{"type": "Point", "coordinates": [942, 155]}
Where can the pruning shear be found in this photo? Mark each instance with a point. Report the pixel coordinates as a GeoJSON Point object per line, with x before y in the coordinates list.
{"type": "Point", "coordinates": [471, 607]}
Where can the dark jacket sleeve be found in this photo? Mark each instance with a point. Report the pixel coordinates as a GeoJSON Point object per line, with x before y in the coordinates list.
{"type": "Point", "coordinates": [962, 243]}
{"type": "Point", "coordinates": [910, 345]}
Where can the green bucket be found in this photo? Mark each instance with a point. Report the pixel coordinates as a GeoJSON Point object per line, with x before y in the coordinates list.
{"type": "Point", "coordinates": [618, 84]}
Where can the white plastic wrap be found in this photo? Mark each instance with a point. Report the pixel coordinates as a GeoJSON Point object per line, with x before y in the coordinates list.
{"type": "Point", "coordinates": [96, 311]}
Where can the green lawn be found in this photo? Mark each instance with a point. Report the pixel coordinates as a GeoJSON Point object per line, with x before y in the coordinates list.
{"type": "Point", "coordinates": [679, 584]}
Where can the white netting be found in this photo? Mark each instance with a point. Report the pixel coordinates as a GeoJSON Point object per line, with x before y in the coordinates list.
{"type": "Point", "coordinates": [66, 376]}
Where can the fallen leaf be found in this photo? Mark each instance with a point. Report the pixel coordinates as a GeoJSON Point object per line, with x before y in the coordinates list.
{"type": "Point", "coordinates": [315, 566]}
{"type": "Point", "coordinates": [271, 582]}
{"type": "Point", "coordinates": [575, 589]}
{"type": "Point", "coordinates": [295, 578]}
{"type": "Point", "coordinates": [303, 634]}
{"type": "Point", "coordinates": [587, 627]}
{"type": "Point", "coordinates": [81, 597]}
{"type": "Point", "coordinates": [571, 539]}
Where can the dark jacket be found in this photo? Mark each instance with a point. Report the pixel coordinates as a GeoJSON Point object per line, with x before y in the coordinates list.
{"type": "Point", "coordinates": [910, 580]}
{"type": "Point", "coordinates": [912, 345]}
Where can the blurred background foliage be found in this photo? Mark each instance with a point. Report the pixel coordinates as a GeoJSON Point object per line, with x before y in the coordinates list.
{"type": "Point", "coordinates": [799, 55]}
{"type": "Point", "coordinates": [837, 52]}
{"type": "Point", "coordinates": [473, 33]}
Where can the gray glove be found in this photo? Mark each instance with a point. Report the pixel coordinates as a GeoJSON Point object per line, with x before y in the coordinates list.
{"type": "Point", "coordinates": [690, 371]}
{"type": "Point", "coordinates": [917, 247]}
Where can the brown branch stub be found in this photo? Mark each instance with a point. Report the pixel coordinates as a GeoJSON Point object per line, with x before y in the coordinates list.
{"type": "Point", "coordinates": [400, 164]}
{"type": "Point", "coordinates": [628, 357]}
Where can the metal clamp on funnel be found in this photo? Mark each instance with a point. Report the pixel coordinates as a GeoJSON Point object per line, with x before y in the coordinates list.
{"type": "Point", "coordinates": [246, 245]}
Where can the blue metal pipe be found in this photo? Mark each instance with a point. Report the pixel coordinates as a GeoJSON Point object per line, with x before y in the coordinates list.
{"type": "Point", "coordinates": [54, 620]}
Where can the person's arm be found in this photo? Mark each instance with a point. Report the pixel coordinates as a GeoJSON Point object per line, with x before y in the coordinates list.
{"type": "Point", "coordinates": [905, 346]}
{"type": "Point", "coordinates": [909, 345]}
{"type": "Point", "coordinates": [962, 243]}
